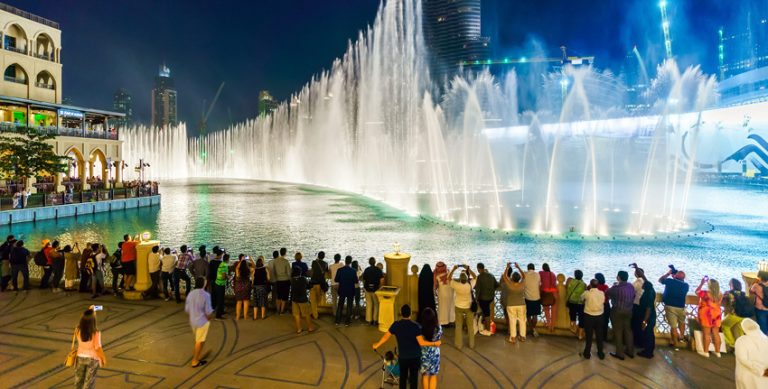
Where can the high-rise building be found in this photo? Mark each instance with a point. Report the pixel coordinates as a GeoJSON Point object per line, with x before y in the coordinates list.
{"type": "Point", "coordinates": [452, 33]}
{"type": "Point", "coordinates": [164, 107]}
{"type": "Point", "coordinates": [267, 103]}
{"type": "Point", "coordinates": [122, 103]}
{"type": "Point", "coordinates": [636, 81]}
{"type": "Point", "coordinates": [743, 56]}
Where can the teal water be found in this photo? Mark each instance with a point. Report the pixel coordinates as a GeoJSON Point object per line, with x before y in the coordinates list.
{"type": "Point", "coordinates": [258, 217]}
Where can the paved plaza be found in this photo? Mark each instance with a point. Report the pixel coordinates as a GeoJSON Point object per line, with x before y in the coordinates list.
{"type": "Point", "coordinates": [149, 344]}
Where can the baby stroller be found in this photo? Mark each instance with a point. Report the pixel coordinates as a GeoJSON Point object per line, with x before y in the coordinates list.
{"type": "Point", "coordinates": [390, 369]}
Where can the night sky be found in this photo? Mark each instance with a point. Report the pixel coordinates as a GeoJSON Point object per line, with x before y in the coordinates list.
{"type": "Point", "coordinates": [278, 45]}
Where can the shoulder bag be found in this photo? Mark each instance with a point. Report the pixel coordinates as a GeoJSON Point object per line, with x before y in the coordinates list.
{"type": "Point", "coordinates": [72, 355]}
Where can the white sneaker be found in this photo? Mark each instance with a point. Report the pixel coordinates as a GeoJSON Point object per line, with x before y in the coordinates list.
{"type": "Point", "coordinates": [703, 354]}
{"type": "Point", "coordinates": [717, 355]}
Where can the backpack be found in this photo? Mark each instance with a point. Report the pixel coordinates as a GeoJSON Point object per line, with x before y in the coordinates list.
{"type": "Point", "coordinates": [742, 307]}
{"type": "Point", "coordinates": [40, 259]}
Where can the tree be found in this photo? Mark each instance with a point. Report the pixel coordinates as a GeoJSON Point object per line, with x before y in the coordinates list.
{"type": "Point", "coordinates": [25, 153]}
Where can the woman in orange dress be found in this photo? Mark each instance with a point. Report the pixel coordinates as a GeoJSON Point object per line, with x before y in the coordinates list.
{"type": "Point", "coordinates": [710, 314]}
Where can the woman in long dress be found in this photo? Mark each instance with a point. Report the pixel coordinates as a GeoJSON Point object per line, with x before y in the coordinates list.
{"type": "Point", "coordinates": [445, 308]}
{"type": "Point", "coordinates": [426, 290]}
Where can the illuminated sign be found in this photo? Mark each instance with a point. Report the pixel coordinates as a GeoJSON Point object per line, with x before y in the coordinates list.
{"type": "Point", "coordinates": [68, 113]}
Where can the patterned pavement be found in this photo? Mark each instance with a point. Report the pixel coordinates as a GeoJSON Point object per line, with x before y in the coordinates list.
{"type": "Point", "coordinates": [149, 344]}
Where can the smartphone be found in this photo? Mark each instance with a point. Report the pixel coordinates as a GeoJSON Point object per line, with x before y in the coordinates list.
{"type": "Point", "coordinates": [98, 307]}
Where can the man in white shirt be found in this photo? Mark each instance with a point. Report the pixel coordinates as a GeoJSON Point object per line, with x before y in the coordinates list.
{"type": "Point", "coordinates": [463, 302]}
{"type": "Point", "coordinates": [167, 264]}
{"type": "Point", "coordinates": [153, 265]}
{"type": "Point", "coordinates": [337, 264]}
{"type": "Point", "coordinates": [594, 302]}
{"type": "Point", "coordinates": [532, 282]}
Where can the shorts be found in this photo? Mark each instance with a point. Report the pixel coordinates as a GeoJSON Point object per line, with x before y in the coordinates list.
{"type": "Point", "coordinates": [533, 308]}
{"type": "Point", "coordinates": [129, 268]}
{"type": "Point", "coordinates": [201, 332]}
{"type": "Point", "coordinates": [675, 316]}
{"type": "Point", "coordinates": [300, 309]}
{"type": "Point", "coordinates": [485, 307]}
{"type": "Point", "coordinates": [283, 290]}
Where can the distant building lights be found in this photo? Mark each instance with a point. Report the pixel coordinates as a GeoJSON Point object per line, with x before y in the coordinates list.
{"type": "Point", "coordinates": [488, 61]}
{"type": "Point", "coordinates": [506, 60]}
{"type": "Point", "coordinates": [523, 59]}
{"type": "Point", "coordinates": [477, 62]}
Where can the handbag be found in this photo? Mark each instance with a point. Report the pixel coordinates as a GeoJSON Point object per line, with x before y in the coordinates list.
{"type": "Point", "coordinates": [72, 355]}
{"type": "Point", "coordinates": [324, 285]}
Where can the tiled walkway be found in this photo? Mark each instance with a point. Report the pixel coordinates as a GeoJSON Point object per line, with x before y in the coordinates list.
{"type": "Point", "coordinates": [149, 344]}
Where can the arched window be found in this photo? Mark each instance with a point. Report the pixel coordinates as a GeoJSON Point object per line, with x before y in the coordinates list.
{"type": "Point", "coordinates": [15, 73]}
{"type": "Point", "coordinates": [45, 80]}
{"type": "Point", "coordinates": [15, 39]}
{"type": "Point", "coordinates": [44, 47]}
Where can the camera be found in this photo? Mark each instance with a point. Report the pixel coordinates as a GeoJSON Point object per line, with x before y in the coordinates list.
{"type": "Point", "coordinates": [672, 268]}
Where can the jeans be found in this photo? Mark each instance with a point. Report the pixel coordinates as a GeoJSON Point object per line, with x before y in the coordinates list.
{"type": "Point", "coordinates": [167, 279]}
{"type": "Point", "coordinates": [178, 275]}
{"type": "Point", "coordinates": [464, 317]}
{"type": "Point", "coordinates": [622, 332]}
{"type": "Point", "coordinates": [371, 307]}
{"type": "Point", "coordinates": [357, 303]}
{"type": "Point", "coordinates": [731, 327]}
{"type": "Point", "coordinates": [218, 299]}
{"type": "Point", "coordinates": [58, 272]}
{"type": "Point", "coordinates": [24, 270]}
{"type": "Point", "coordinates": [762, 319]}
{"type": "Point", "coordinates": [638, 314]}
{"type": "Point", "coordinates": [593, 325]}
{"type": "Point", "coordinates": [340, 308]}
{"type": "Point", "coordinates": [409, 372]}
{"type": "Point", "coordinates": [47, 273]}
{"type": "Point", "coordinates": [154, 290]}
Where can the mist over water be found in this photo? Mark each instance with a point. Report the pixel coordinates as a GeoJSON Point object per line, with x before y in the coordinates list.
{"type": "Point", "coordinates": [373, 125]}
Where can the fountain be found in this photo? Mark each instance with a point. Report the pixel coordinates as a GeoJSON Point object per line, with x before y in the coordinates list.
{"type": "Point", "coordinates": [371, 125]}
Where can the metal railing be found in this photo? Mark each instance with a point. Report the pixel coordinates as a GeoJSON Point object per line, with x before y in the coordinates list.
{"type": "Point", "coordinates": [16, 80]}
{"type": "Point", "coordinates": [16, 49]}
{"type": "Point", "coordinates": [47, 57]}
{"type": "Point", "coordinates": [51, 198]}
{"type": "Point", "coordinates": [58, 131]}
{"type": "Point", "coordinates": [44, 85]}
{"type": "Point", "coordinates": [27, 15]}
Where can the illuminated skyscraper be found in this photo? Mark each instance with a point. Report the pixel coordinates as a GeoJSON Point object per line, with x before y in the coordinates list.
{"type": "Point", "coordinates": [267, 103]}
{"type": "Point", "coordinates": [665, 29]}
{"type": "Point", "coordinates": [164, 108]}
{"type": "Point", "coordinates": [743, 56]}
{"type": "Point", "coordinates": [452, 32]}
{"type": "Point", "coordinates": [122, 103]}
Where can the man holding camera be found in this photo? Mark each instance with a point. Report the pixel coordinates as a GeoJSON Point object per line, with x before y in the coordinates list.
{"type": "Point", "coordinates": [675, 290]}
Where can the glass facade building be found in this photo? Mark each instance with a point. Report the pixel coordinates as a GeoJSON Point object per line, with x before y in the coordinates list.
{"type": "Point", "coordinates": [164, 106]}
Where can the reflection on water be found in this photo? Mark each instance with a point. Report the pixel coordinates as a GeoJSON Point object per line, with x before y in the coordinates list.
{"type": "Point", "coordinates": [259, 217]}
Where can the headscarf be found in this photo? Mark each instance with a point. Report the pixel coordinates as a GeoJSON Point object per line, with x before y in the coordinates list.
{"type": "Point", "coordinates": [441, 274]}
{"type": "Point", "coordinates": [426, 295]}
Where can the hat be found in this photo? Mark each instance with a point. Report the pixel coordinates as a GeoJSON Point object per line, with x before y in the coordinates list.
{"type": "Point", "coordinates": [46, 241]}
{"type": "Point", "coordinates": [680, 275]}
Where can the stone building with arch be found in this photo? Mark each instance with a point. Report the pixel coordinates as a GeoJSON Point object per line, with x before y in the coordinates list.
{"type": "Point", "coordinates": [31, 96]}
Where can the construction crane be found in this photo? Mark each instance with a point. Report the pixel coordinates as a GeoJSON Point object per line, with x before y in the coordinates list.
{"type": "Point", "coordinates": [665, 29]}
{"type": "Point", "coordinates": [205, 114]}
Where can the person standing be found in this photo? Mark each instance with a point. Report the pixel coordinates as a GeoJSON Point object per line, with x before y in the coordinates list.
{"type": "Point", "coordinates": [463, 299]}
{"type": "Point", "coordinates": [57, 264]}
{"type": "Point", "coordinates": [242, 286]}
{"type": "Point", "coordinates": [737, 308]}
{"type": "Point", "coordinates": [751, 357]}
{"type": "Point", "coordinates": [426, 290]}
{"type": "Point", "coordinates": [213, 267]}
{"type": "Point", "coordinates": [574, 288]}
{"type": "Point", "coordinates": [199, 266]}
{"type": "Point", "coordinates": [710, 314]}
{"type": "Point", "coordinates": [5, 261]}
{"type": "Point", "coordinates": [261, 278]}
{"type": "Point", "coordinates": [431, 331]}
{"type": "Point", "coordinates": [220, 289]}
{"type": "Point", "coordinates": [90, 354]}
{"type": "Point", "coordinates": [637, 310]}
{"type": "Point", "coordinates": [71, 261]}
{"type": "Point", "coordinates": [515, 304]}
{"type": "Point", "coordinates": [180, 273]}
{"type": "Point", "coordinates": [297, 263]}
{"type": "Point", "coordinates": [128, 259]}
{"type": "Point", "coordinates": [299, 301]}
{"type": "Point", "coordinates": [116, 267]}
{"type": "Point", "coordinates": [45, 265]}
{"type": "Point", "coordinates": [97, 275]}
{"type": "Point", "coordinates": [409, 338]}
{"type": "Point", "coordinates": [485, 290]}
{"type": "Point", "coordinates": [603, 287]}
{"type": "Point", "coordinates": [334, 285]}
{"type": "Point", "coordinates": [283, 276]}
{"type": "Point", "coordinates": [760, 290]}
{"type": "Point", "coordinates": [373, 277]}
{"type": "Point", "coordinates": [446, 312]}
{"type": "Point", "coordinates": [167, 266]}
{"type": "Point", "coordinates": [18, 258]}
{"type": "Point", "coordinates": [153, 265]}
{"type": "Point", "coordinates": [594, 303]}
{"type": "Point", "coordinates": [358, 286]}
{"type": "Point", "coordinates": [549, 296]}
{"type": "Point", "coordinates": [532, 282]}
{"type": "Point", "coordinates": [346, 278]}
{"type": "Point", "coordinates": [673, 297]}
{"type": "Point", "coordinates": [622, 295]}
{"type": "Point", "coordinates": [319, 285]}
{"type": "Point", "coordinates": [648, 319]}
{"type": "Point", "coordinates": [198, 306]}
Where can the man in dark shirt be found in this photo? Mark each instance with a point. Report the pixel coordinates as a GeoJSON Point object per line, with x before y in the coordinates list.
{"type": "Point", "coordinates": [485, 290]}
{"type": "Point", "coordinates": [199, 266]}
{"type": "Point", "coordinates": [299, 301]}
{"type": "Point", "coordinates": [213, 267]}
{"type": "Point", "coordinates": [5, 252]}
{"type": "Point", "coordinates": [372, 280]}
{"type": "Point", "coordinates": [297, 263]}
{"type": "Point", "coordinates": [19, 256]}
{"type": "Point", "coordinates": [317, 280]}
{"type": "Point", "coordinates": [346, 277]}
{"type": "Point", "coordinates": [409, 344]}
{"type": "Point", "coordinates": [622, 295]}
{"type": "Point", "coordinates": [675, 291]}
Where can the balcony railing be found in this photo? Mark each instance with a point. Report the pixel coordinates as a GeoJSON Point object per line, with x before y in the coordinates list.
{"type": "Point", "coordinates": [17, 49]}
{"type": "Point", "coordinates": [45, 86]}
{"type": "Point", "coordinates": [47, 57]}
{"type": "Point", "coordinates": [59, 131]}
{"type": "Point", "coordinates": [16, 80]}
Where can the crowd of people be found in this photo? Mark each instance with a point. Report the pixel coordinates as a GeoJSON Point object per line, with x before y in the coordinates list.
{"type": "Point", "coordinates": [460, 297]}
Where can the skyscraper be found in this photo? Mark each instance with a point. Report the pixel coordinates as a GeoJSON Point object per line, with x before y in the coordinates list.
{"type": "Point", "coordinates": [452, 33]}
{"type": "Point", "coordinates": [122, 103]}
{"type": "Point", "coordinates": [267, 103]}
{"type": "Point", "coordinates": [164, 108]}
{"type": "Point", "coordinates": [743, 56]}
